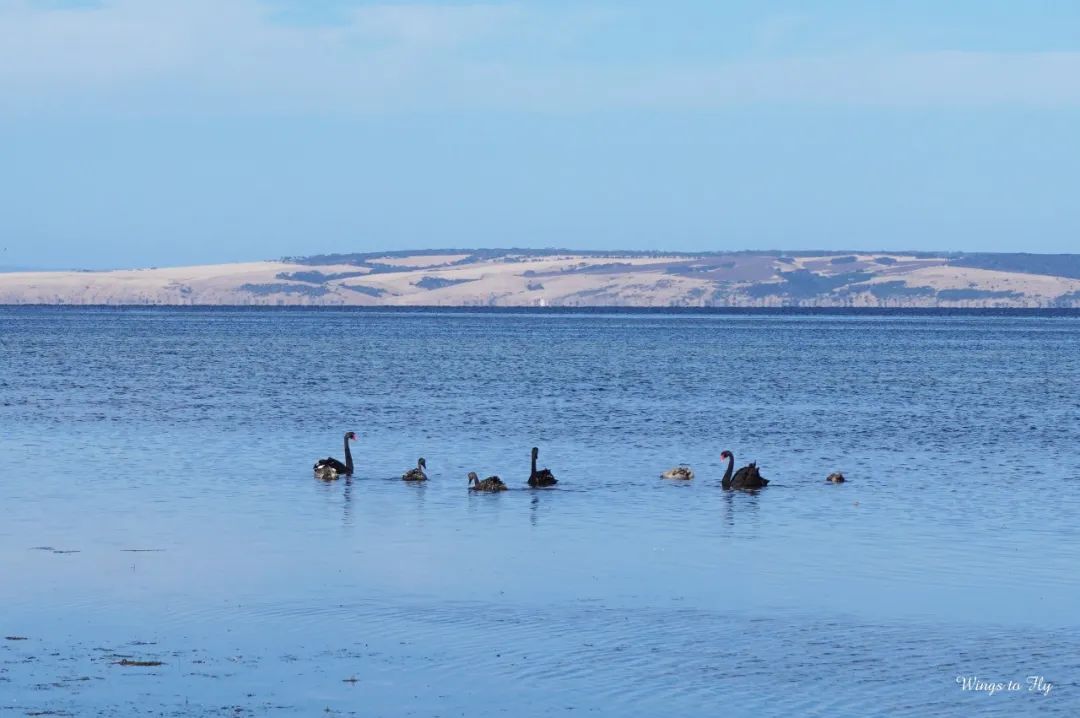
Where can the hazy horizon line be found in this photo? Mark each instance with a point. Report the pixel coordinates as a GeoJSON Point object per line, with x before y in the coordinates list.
{"type": "Point", "coordinates": [540, 251]}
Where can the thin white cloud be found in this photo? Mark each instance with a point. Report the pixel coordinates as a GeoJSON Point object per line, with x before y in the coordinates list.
{"type": "Point", "coordinates": [945, 79]}
{"type": "Point", "coordinates": [207, 56]}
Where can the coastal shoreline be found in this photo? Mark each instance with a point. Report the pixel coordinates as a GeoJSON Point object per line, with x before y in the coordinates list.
{"type": "Point", "coordinates": [548, 279]}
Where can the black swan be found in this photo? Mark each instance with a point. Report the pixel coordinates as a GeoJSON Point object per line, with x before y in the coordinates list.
{"type": "Point", "coordinates": [491, 483]}
{"type": "Point", "coordinates": [330, 468]}
{"type": "Point", "coordinates": [416, 474]}
{"type": "Point", "coordinates": [835, 478]}
{"type": "Point", "coordinates": [748, 477]}
{"type": "Point", "coordinates": [543, 477]}
{"type": "Point", "coordinates": [682, 471]}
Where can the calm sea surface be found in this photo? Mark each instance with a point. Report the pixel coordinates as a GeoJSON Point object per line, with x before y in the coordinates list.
{"type": "Point", "coordinates": [157, 504]}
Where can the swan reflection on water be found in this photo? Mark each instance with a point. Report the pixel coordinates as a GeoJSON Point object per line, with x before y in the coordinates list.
{"type": "Point", "coordinates": [534, 508]}
{"type": "Point", "coordinates": [748, 502]}
{"type": "Point", "coordinates": [346, 505]}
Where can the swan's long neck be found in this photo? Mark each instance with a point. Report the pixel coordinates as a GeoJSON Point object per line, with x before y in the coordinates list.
{"type": "Point", "coordinates": [726, 481]}
{"type": "Point", "coordinates": [348, 458]}
{"type": "Point", "coordinates": [533, 472]}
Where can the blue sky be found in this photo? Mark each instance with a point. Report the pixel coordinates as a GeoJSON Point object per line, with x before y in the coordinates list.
{"type": "Point", "coordinates": [156, 132]}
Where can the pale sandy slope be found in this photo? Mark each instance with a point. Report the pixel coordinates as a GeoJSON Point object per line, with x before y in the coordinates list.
{"type": "Point", "coordinates": [521, 280]}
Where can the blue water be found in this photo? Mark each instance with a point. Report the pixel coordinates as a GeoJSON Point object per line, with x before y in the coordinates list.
{"type": "Point", "coordinates": [158, 505]}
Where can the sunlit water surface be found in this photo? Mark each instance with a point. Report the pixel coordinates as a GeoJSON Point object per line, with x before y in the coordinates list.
{"type": "Point", "coordinates": [158, 505]}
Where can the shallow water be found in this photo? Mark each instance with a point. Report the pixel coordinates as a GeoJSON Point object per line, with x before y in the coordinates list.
{"type": "Point", "coordinates": [158, 504]}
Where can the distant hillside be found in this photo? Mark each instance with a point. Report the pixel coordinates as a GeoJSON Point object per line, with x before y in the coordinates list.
{"type": "Point", "coordinates": [564, 277]}
{"type": "Point", "coordinates": [1053, 265]}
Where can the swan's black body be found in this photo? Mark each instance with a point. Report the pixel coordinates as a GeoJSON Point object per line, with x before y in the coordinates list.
{"type": "Point", "coordinates": [346, 469]}
{"type": "Point", "coordinates": [748, 477]}
{"type": "Point", "coordinates": [543, 477]}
